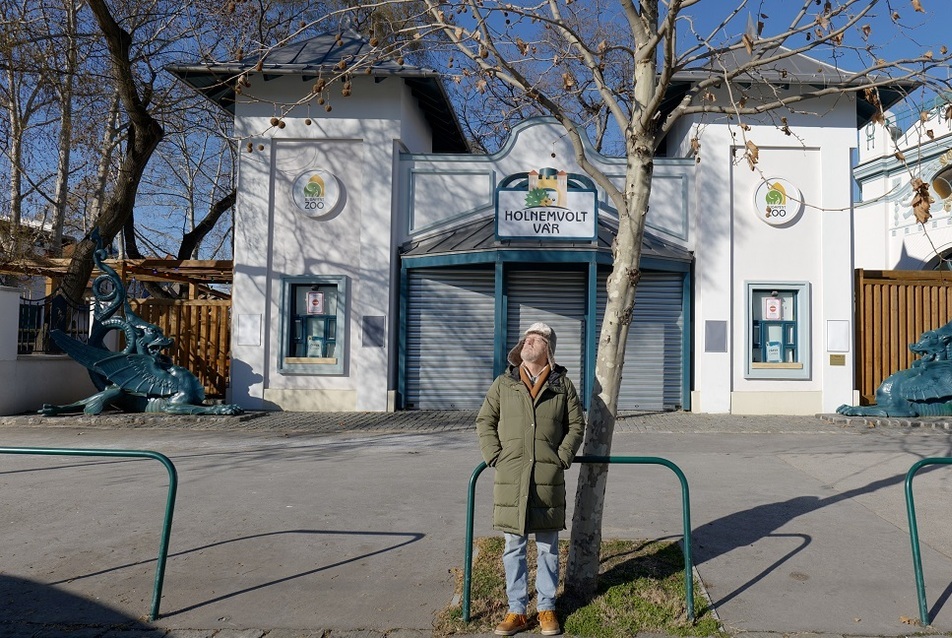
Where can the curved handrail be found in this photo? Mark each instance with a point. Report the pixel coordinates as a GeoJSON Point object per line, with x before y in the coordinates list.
{"type": "Point", "coordinates": [169, 502]}
{"type": "Point", "coordinates": [641, 460]}
{"type": "Point", "coordinates": [914, 531]}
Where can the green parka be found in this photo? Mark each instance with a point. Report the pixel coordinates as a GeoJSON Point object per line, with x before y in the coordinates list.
{"type": "Point", "coordinates": [530, 444]}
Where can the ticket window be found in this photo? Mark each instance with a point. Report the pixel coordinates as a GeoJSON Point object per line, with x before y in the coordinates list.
{"type": "Point", "coordinates": [314, 320]}
{"type": "Point", "coordinates": [778, 332]}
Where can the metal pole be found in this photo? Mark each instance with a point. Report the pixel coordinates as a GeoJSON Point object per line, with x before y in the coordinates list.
{"type": "Point", "coordinates": [914, 532]}
{"type": "Point", "coordinates": [685, 513]}
{"type": "Point", "coordinates": [169, 502]}
{"type": "Point", "coordinates": [468, 560]}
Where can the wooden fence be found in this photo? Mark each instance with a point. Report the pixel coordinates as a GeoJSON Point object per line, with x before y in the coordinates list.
{"type": "Point", "coordinates": [894, 307]}
{"type": "Point", "coordinates": [201, 329]}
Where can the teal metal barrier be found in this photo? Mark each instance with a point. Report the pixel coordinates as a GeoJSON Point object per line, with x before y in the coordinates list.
{"type": "Point", "coordinates": [628, 460]}
{"type": "Point", "coordinates": [169, 503]}
{"type": "Point", "coordinates": [914, 532]}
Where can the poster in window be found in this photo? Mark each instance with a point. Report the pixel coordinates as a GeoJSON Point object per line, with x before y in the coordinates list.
{"type": "Point", "coordinates": [772, 308]}
{"type": "Point", "coordinates": [774, 352]}
{"type": "Point", "coordinates": [315, 346]}
{"type": "Point", "coordinates": [315, 302]}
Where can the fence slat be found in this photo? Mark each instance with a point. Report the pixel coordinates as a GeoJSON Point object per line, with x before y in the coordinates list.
{"type": "Point", "coordinates": [893, 308]}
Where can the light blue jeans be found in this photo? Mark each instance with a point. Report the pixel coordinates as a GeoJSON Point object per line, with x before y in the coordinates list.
{"type": "Point", "coordinates": [517, 573]}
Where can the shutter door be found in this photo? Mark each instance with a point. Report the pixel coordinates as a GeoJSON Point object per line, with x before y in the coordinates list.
{"type": "Point", "coordinates": [558, 299]}
{"type": "Point", "coordinates": [450, 332]}
{"type": "Point", "coordinates": [652, 376]}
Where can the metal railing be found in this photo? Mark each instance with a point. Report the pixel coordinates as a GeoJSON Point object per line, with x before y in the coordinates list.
{"type": "Point", "coordinates": [914, 532]}
{"type": "Point", "coordinates": [169, 503]}
{"type": "Point", "coordinates": [628, 460]}
{"type": "Point", "coordinates": [39, 316]}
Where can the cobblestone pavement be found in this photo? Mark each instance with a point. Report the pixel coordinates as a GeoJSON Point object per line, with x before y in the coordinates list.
{"type": "Point", "coordinates": [438, 421]}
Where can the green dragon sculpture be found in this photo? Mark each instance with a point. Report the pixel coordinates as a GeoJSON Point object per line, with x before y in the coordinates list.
{"type": "Point", "coordinates": [139, 378]}
{"type": "Point", "coordinates": [923, 389]}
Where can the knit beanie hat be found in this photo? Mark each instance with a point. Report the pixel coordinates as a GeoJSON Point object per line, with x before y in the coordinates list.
{"type": "Point", "coordinates": [538, 328]}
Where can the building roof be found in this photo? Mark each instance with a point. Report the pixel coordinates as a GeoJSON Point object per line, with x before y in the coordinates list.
{"type": "Point", "coordinates": [321, 55]}
{"type": "Point", "coordinates": [480, 235]}
{"type": "Point", "coordinates": [796, 69]}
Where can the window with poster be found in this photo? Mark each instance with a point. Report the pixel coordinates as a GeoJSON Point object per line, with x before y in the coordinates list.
{"type": "Point", "coordinates": [313, 325]}
{"type": "Point", "coordinates": [778, 331]}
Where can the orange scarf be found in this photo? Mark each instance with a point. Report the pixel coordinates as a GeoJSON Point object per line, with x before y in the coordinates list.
{"type": "Point", "coordinates": [534, 388]}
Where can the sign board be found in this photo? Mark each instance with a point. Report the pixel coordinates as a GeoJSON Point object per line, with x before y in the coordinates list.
{"type": "Point", "coordinates": [778, 202]}
{"type": "Point", "coordinates": [772, 308]}
{"type": "Point", "coordinates": [316, 193]}
{"type": "Point", "coordinates": [546, 205]}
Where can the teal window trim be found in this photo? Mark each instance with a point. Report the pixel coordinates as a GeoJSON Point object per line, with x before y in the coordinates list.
{"type": "Point", "coordinates": [778, 348]}
{"type": "Point", "coordinates": [402, 349]}
{"type": "Point", "coordinates": [602, 257]}
{"type": "Point", "coordinates": [687, 345]}
{"type": "Point", "coordinates": [328, 332]}
{"type": "Point", "coordinates": [500, 355]}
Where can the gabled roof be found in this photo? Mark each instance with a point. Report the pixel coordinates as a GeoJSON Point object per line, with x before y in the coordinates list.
{"type": "Point", "coordinates": [795, 69]}
{"type": "Point", "coordinates": [322, 55]}
{"type": "Point", "coordinates": [480, 235]}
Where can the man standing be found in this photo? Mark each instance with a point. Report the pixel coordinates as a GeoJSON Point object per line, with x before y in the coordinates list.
{"type": "Point", "coordinates": [530, 426]}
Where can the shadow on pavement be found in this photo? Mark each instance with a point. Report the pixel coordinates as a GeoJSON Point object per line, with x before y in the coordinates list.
{"type": "Point", "coordinates": [744, 528]}
{"type": "Point", "coordinates": [412, 537]}
{"type": "Point", "coordinates": [33, 607]}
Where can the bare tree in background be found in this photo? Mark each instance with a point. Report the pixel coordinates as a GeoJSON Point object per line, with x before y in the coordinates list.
{"type": "Point", "coordinates": [144, 134]}
{"type": "Point", "coordinates": [25, 93]}
{"type": "Point", "coordinates": [81, 94]}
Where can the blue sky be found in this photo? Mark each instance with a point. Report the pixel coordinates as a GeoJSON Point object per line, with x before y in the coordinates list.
{"type": "Point", "coordinates": [913, 33]}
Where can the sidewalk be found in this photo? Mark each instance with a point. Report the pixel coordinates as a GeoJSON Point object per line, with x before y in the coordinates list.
{"type": "Point", "coordinates": [346, 525]}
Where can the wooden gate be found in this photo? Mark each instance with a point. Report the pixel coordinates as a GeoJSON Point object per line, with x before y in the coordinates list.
{"type": "Point", "coordinates": [894, 307]}
{"type": "Point", "coordinates": [201, 329]}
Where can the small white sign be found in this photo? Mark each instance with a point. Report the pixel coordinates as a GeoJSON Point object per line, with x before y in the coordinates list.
{"type": "Point", "coordinates": [316, 193]}
{"type": "Point", "coordinates": [249, 330]}
{"type": "Point", "coordinates": [778, 202]}
{"type": "Point", "coordinates": [772, 308]}
{"type": "Point", "coordinates": [315, 302]}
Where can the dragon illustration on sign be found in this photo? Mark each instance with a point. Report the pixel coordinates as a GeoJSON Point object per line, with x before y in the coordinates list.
{"type": "Point", "coordinates": [139, 378]}
{"type": "Point", "coordinates": [923, 389]}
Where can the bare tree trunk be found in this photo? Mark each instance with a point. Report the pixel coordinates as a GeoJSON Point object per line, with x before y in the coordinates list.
{"type": "Point", "coordinates": [193, 238]}
{"type": "Point", "coordinates": [109, 141]}
{"type": "Point", "coordinates": [640, 142]}
{"type": "Point", "coordinates": [144, 135]}
{"type": "Point", "coordinates": [16, 150]}
{"type": "Point", "coordinates": [586, 538]}
{"type": "Point", "coordinates": [61, 195]}
{"type": "Point", "coordinates": [129, 247]}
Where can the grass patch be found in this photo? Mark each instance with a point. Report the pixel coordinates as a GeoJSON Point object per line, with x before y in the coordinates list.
{"type": "Point", "coordinates": [640, 589]}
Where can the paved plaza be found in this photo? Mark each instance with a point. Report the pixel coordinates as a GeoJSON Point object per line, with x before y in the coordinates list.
{"type": "Point", "coordinates": [342, 525]}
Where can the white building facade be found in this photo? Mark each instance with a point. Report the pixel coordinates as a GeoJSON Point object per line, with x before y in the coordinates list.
{"type": "Point", "coordinates": [380, 266]}
{"type": "Point", "coordinates": [913, 144]}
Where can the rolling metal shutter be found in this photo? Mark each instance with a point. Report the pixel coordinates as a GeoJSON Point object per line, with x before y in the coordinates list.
{"type": "Point", "coordinates": [652, 376]}
{"type": "Point", "coordinates": [558, 299]}
{"type": "Point", "coordinates": [450, 336]}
